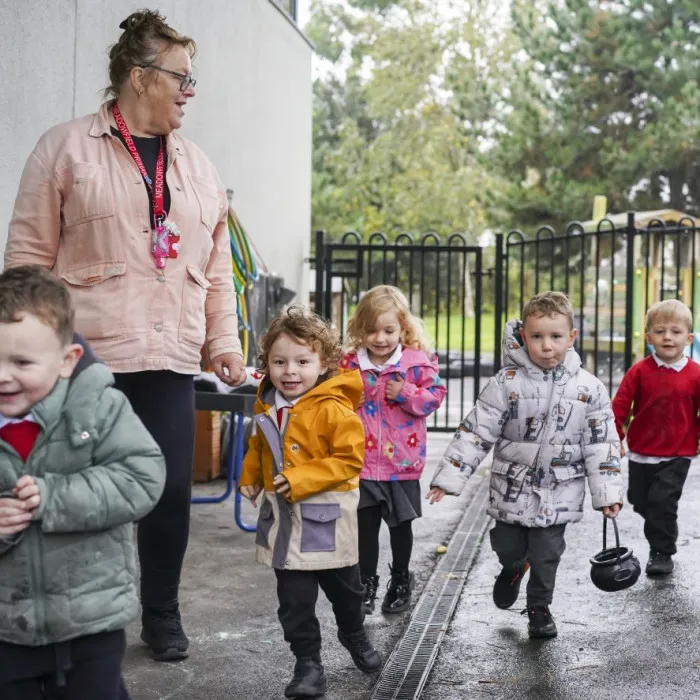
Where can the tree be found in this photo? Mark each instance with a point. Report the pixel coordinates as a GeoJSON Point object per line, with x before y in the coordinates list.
{"type": "Point", "coordinates": [605, 100]}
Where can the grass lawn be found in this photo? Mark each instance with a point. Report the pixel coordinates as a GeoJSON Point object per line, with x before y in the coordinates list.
{"type": "Point", "coordinates": [454, 341]}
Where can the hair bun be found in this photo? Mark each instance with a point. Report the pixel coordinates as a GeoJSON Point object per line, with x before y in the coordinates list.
{"type": "Point", "coordinates": [134, 20]}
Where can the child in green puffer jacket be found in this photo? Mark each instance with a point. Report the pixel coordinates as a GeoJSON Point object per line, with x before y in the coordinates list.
{"type": "Point", "coordinates": [77, 468]}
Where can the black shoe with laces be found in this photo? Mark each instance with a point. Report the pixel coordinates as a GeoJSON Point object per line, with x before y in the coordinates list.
{"type": "Point", "coordinates": [398, 594]}
{"type": "Point", "coordinates": [161, 629]}
{"type": "Point", "coordinates": [507, 586]}
{"type": "Point", "coordinates": [541, 623]}
{"type": "Point", "coordinates": [371, 583]}
{"type": "Point", "coordinates": [659, 564]}
{"type": "Point", "coordinates": [309, 679]}
{"type": "Point", "coordinates": [364, 655]}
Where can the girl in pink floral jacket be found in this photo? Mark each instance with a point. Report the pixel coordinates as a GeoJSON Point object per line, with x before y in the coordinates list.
{"type": "Point", "coordinates": [401, 389]}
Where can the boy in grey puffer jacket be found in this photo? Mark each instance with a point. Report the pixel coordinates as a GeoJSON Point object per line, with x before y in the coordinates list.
{"type": "Point", "coordinates": [552, 425]}
{"type": "Point", "coordinates": [77, 468]}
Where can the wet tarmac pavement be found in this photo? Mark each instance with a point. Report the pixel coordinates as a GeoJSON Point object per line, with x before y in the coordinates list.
{"type": "Point", "coordinates": [635, 644]}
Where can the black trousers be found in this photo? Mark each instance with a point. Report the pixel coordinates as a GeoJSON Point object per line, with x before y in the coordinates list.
{"type": "Point", "coordinates": [94, 670]}
{"type": "Point", "coordinates": [654, 490]}
{"type": "Point", "coordinates": [297, 592]}
{"type": "Point", "coordinates": [541, 547]}
{"type": "Point", "coordinates": [369, 522]}
{"type": "Point", "coordinates": [164, 401]}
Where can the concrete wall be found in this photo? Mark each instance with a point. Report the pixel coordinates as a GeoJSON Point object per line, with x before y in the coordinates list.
{"type": "Point", "coordinates": [251, 115]}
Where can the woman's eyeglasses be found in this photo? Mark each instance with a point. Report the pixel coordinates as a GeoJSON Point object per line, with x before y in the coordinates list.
{"type": "Point", "coordinates": [185, 80]}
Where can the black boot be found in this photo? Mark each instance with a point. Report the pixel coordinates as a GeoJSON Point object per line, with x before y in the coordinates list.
{"type": "Point", "coordinates": [659, 564]}
{"type": "Point", "coordinates": [309, 679]}
{"type": "Point", "coordinates": [364, 655]}
{"type": "Point", "coordinates": [371, 583]}
{"type": "Point", "coordinates": [541, 623]}
{"type": "Point", "coordinates": [161, 629]}
{"type": "Point", "coordinates": [507, 586]}
{"type": "Point", "coordinates": [398, 595]}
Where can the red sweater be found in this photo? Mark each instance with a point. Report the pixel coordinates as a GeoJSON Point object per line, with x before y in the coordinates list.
{"type": "Point", "coordinates": [664, 405]}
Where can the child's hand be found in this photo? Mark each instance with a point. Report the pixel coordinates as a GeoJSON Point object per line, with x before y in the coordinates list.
{"type": "Point", "coordinates": [393, 388]}
{"type": "Point", "coordinates": [251, 493]}
{"type": "Point", "coordinates": [27, 491]}
{"type": "Point", "coordinates": [281, 485]}
{"type": "Point", "coordinates": [612, 511]}
{"type": "Point", "coordinates": [14, 516]}
{"type": "Point", "coordinates": [435, 495]}
{"type": "Point", "coordinates": [622, 449]}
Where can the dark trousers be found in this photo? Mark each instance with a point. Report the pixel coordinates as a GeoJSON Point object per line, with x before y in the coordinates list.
{"type": "Point", "coordinates": [369, 521]}
{"type": "Point", "coordinates": [541, 547]}
{"type": "Point", "coordinates": [93, 670]}
{"type": "Point", "coordinates": [654, 490]}
{"type": "Point", "coordinates": [297, 592]}
{"type": "Point", "coordinates": [164, 401]}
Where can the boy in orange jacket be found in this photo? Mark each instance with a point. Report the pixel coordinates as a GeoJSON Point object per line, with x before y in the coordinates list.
{"type": "Point", "coordinates": [305, 456]}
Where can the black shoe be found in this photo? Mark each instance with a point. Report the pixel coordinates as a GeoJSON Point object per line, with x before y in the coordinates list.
{"type": "Point", "coordinates": [161, 629]}
{"type": "Point", "coordinates": [364, 655]}
{"type": "Point", "coordinates": [398, 595]}
{"type": "Point", "coordinates": [371, 583]}
{"type": "Point", "coordinates": [507, 586]}
{"type": "Point", "coordinates": [659, 564]}
{"type": "Point", "coordinates": [309, 679]}
{"type": "Point", "coordinates": [541, 623]}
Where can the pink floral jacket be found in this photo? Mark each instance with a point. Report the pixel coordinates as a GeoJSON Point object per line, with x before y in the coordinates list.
{"type": "Point", "coordinates": [395, 431]}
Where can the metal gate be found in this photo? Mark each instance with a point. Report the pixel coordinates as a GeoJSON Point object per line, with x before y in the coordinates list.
{"type": "Point", "coordinates": [443, 281]}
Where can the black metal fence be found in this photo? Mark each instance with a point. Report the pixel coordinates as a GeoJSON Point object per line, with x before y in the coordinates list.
{"type": "Point", "coordinates": [443, 283]}
{"type": "Point", "coordinates": [612, 270]}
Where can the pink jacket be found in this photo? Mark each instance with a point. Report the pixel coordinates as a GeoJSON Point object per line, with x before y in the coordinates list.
{"type": "Point", "coordinates": [395, 431]}
{"type": "Point", "coordinates": [82, 211]}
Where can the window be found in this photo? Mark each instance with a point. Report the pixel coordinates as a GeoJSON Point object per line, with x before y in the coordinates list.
{"type": "Point", "coordinates": [289, 6]}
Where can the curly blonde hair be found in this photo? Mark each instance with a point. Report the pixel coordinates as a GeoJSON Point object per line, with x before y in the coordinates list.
{"type": "Point", "coordinates": [380, 300]}
{"type": "Point", "coordinates": [306, 328]}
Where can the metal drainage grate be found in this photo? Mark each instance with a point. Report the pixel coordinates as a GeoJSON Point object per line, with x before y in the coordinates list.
{"type": "Point", "coordinates": [406, 671]}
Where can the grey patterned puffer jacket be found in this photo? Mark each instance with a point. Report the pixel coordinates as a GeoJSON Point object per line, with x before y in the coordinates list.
{"type": "Point", "coordinates": [550, 429]}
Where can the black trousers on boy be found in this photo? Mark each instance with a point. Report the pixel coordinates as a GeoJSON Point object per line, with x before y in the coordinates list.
{"type": "Point", "coordinates": [297, 592]}
{"type": "Point", "coordinates": [86, 668]}
{"type": "Point", "coordinates": [164, 401]}
{"type": "Point", "coordinates": [654, 490]}
{"type": "Point", "coordinates": [541, 547]}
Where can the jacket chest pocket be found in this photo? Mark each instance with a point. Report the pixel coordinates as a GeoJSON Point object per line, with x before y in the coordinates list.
{"type": "Point", "coordinates": [210, 207]}
{"type": "Point", "coordinates": [192, 328]}
{"type": "Point", "coordinates": [265, 521]}
{"type": "Point", "coordinates": [88, 196]}
{"type": "Point", "coordinates": [98, 293]}
{"type": "Point", "coordinates": [318, 525]}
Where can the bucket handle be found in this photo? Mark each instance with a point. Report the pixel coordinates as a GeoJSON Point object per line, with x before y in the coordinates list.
{"type": "Point", "coordinates": [617, 535]}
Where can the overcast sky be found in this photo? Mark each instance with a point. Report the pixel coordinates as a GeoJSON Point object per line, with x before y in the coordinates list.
{"type": "Point", "coordinates": [303, 12]}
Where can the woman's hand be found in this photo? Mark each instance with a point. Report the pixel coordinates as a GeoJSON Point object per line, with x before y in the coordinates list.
{"type": "Point", "coordinates": [229, 368]}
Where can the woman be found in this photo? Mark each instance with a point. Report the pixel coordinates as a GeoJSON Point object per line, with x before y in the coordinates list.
{"type": "Point", "coordinates": [132, 217]}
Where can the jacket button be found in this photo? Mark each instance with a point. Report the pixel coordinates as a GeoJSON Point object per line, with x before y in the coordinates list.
{"type": "Point", "coordinates": [84, 435]}
{"type": "Point", "coordinates": [159, 327]}
{"type": "Point", "coordinates": [322, 516]}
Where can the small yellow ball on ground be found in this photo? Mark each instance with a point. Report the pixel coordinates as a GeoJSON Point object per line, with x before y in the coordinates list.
{"type": "Point", "coordinates": [441, 549]}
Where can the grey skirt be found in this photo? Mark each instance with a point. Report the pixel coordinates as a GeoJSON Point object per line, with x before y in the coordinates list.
{"type": "Point", "coordinates": [400, 500]}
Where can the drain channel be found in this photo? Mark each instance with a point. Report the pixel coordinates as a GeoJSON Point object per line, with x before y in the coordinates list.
{"type": "Point", "coordinates": [406, 671]}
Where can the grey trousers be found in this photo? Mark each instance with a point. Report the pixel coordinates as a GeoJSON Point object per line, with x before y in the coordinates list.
{"type": "Point", "coordinates": [541, 547]}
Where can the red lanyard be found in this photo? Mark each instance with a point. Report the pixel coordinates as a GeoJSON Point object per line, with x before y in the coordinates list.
{"type": "Point", "coordinates": [157, 191]}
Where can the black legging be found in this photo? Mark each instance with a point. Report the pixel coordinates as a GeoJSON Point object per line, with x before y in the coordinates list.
{"type": "Point", "coordinates": [369, 520]}
{"type": "Point", "coordinates": [164, 401]}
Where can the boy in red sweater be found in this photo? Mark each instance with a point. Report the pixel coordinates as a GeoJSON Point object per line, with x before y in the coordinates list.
{"type": "Point", "coordinates": [662, 393]}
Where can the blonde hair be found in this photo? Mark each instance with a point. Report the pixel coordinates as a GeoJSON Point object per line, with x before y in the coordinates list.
{"type": "Point", "coordinates": [670, 309]}
{"type": "Point", "coordinates": [549, 304]}
{"type": "Point", "coordinates": [380, 300]}
{"type": "Point", "coordinates": [307, 329]}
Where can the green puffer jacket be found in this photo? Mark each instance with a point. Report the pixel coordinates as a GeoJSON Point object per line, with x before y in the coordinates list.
{"type": "Point", "coordinates": [72, 572]}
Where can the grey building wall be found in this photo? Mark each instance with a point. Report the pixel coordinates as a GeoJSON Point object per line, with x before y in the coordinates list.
{"type": "Point", "coordinates": [251, 114]}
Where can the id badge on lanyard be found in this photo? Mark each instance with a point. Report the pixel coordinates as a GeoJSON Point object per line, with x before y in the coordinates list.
{"type": "Point", "coordinates": [165, 235]}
